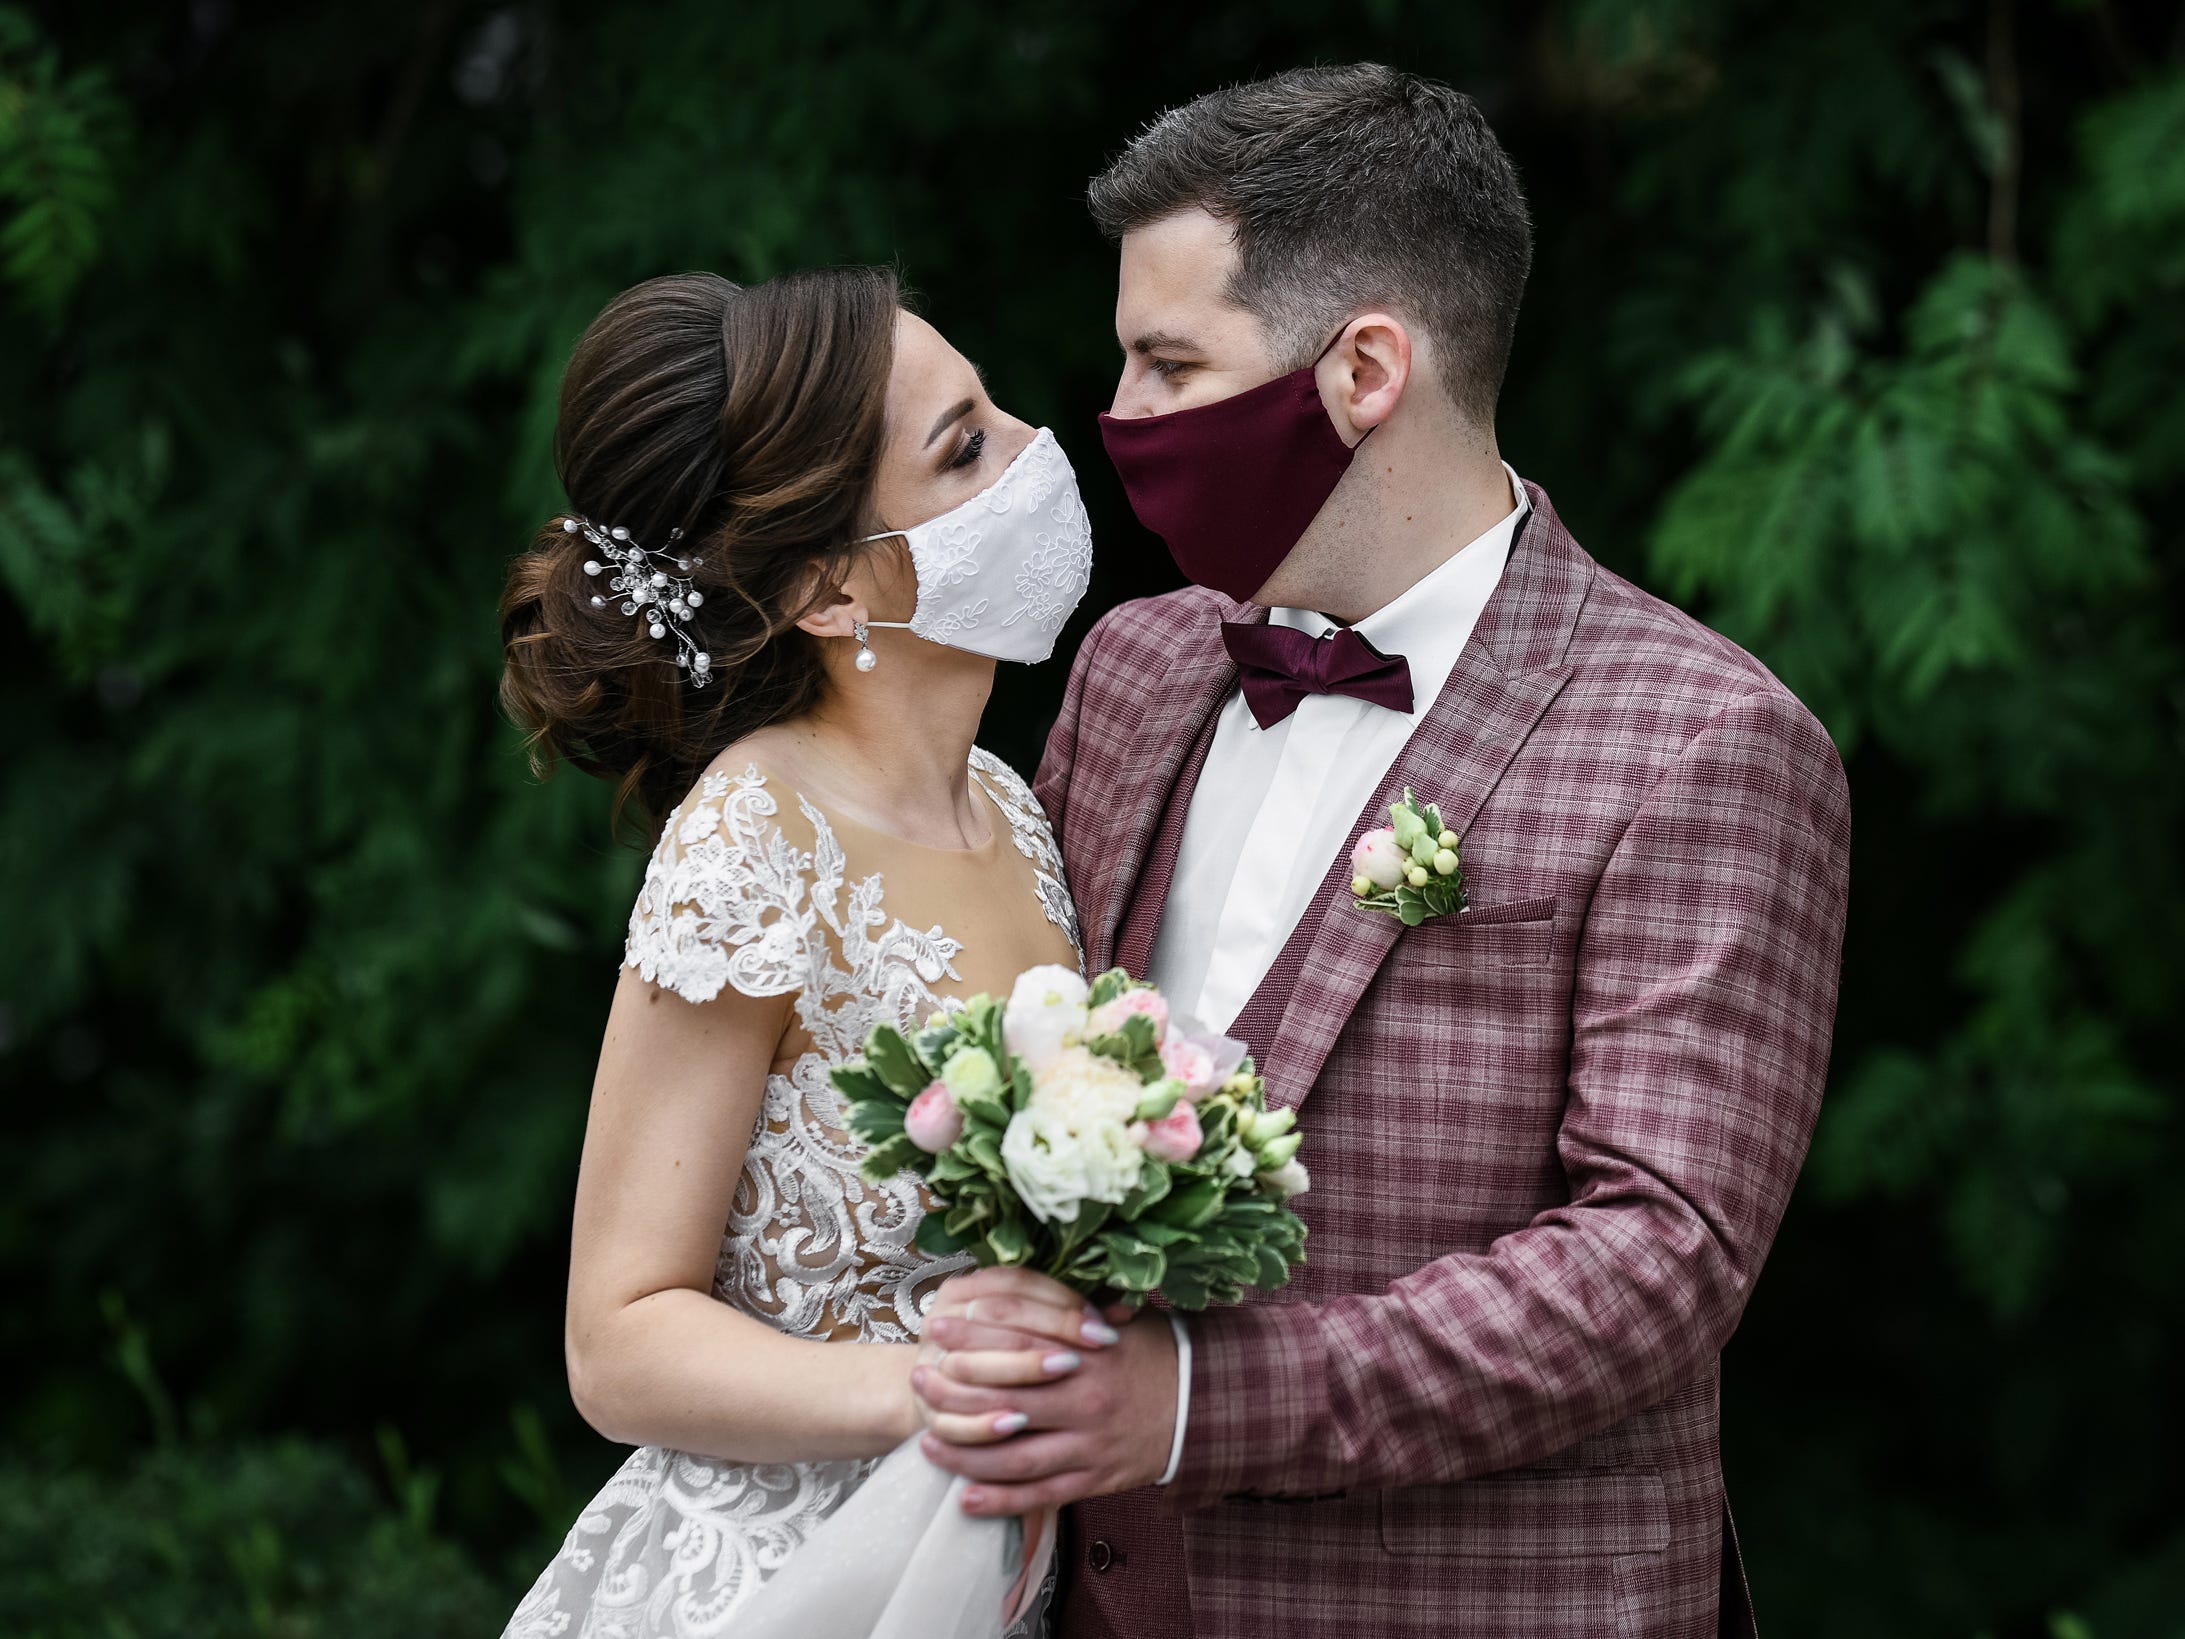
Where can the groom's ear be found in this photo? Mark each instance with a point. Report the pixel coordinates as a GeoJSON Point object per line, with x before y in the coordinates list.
{"type": "Point", "coordinates": [1365, 373]}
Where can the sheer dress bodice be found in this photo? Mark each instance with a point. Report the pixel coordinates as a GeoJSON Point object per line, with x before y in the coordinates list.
{"type": "Point", "coordinates": [755, 888]}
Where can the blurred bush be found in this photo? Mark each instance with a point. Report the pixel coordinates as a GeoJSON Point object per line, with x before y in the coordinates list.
{"type": "Point", "coordinates": [284, 1539]}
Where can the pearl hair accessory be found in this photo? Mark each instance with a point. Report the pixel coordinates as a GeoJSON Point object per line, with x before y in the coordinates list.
{"type": "Point", "coordinates": [655, 586]}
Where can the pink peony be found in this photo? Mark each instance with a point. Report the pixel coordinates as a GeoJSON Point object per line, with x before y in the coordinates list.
{"type": "Point", "coordinates": [933, 1121]}
{"type": "Point", "coordinates": [1378, 859]}
{"type": "Point", "coordinates": [1175, 1137]}
{"type": "Point", "coordinates": [1190, 1063]}
{"type": "Point", "coordinates": [1109, 1017]}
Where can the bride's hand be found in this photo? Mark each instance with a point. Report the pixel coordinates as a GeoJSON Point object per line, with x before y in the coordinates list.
{"type": "Point", "coordinates": [999, 1329]}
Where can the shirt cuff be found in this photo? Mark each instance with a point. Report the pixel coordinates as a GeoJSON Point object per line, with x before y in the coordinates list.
{"type": "Point", "coordinates": [1183, 1395]}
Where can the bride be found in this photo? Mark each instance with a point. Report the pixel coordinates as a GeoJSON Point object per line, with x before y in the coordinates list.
{"type": "Point", "coordinates": [801, 537]}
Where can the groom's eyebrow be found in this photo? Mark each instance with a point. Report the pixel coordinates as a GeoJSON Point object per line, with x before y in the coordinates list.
{"type": "Point", "coordinates": [1155, 340]}
{"type": "Point", "coordinates": [949, 418]}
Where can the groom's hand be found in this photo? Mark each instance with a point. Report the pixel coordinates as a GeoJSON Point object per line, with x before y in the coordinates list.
{"type": "Point", "coordinates": [1105, 1427]}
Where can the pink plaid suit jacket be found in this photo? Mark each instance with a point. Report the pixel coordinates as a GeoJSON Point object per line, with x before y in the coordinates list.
{"type": "Point", "coordinates": [1550, 1139]}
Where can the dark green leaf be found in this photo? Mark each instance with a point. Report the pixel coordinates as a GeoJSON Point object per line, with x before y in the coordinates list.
{"type": "Point", "coordinates": [935, 1239]}
{"type": "Point", "coordinates": [1011, 1242]}
{"type": "Point", "coordinates": [893, 1061]}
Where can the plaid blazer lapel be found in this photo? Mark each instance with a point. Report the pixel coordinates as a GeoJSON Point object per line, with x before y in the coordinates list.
{"type": "Point", "coordinates": [1509, 673]}
{"type": "Point", "coordinates": [1199, 678]}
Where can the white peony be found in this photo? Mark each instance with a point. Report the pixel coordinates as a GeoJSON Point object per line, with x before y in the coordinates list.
{"type": "Point", "coordinates": [1045, 1010]}
{"type": "Point", "coordinates": [1054, 1168]}
{"type": "Point", "coordinates": [1084, 1089]}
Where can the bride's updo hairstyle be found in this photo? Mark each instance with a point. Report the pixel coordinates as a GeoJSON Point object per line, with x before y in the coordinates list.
{"type": "Point", "coordinates": [748, 417]}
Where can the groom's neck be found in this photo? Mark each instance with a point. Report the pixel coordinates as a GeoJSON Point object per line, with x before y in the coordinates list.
{"type": "Point", "coordinates": [1414, 497]}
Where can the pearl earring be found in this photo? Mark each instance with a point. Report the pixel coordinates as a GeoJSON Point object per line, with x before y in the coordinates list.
{"type": "Point", "coordinates": [866, 659]}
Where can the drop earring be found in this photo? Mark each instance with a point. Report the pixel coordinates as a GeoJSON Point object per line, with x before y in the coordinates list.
{"type": "Point", "coordinates": [866, 659]}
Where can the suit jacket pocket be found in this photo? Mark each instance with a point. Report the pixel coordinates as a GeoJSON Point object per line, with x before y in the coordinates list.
{"type": "Point", "coordinates": [1530, 1513]}
{"type": "Point", "coordinates": [1519, 933]}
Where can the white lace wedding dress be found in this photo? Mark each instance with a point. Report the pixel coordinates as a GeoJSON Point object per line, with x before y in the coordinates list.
{"type": "Point", "coordinates": [675, 1543]}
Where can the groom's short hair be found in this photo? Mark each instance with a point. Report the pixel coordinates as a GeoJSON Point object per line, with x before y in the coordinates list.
{"type": "Point", "coordinates": [1346, 185]}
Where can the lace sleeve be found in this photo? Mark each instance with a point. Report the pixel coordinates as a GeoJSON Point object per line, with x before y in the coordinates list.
{"type": "Point", "coordinates": [725, 899]}
{"type": "Point", "coordinates": [1035, 840]}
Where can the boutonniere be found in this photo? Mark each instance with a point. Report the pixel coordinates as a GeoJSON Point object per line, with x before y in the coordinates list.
{"type": "Point", "coordinates": [1409, 868]}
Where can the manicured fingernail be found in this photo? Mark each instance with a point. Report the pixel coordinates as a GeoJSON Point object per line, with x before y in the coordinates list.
{"type": "Point", "coordinates": [1062, 1360]}
{"type": "Point", "coordinates": [1009, 1422]}
{"type": "Point", "coordinates": [918, 1377]}
{"type": "Point", "coordinates": [974, 1499]}
{"type": "Point", "coordinates": [930, 1445]}
{"type": "Point", "coordinates": [1099, 1331]}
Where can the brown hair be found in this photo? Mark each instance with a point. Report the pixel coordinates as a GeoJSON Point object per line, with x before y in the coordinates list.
{"type": "Point", "coordinates": [751, 418]}
{"type": "Point", "coordinates": [1346, 185]}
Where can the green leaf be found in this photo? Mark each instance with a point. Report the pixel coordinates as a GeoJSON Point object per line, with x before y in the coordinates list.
{"type": "Point", "coordinates": [875, 1119]}
{"type": "Point", "coordinates": [1410, 828]}
{"type": "Point", "coordinates": [953, 1166]}
{"type": "Point", "coordinates": [1194, 1205]}
{"type": "Point", "coordinates": [963, 1221]}
{"type": "Point", "coordinates": [1107, 987]}
{"type": "Point", "coordinates": [936, 1239]}
{"type": "Point", "coordinates": [934, 1043]}
{"type": "Point", "coordinates": [1011, 1242]}
{"type": "Point", "coordinates": [1091, 1217]}
{"type": "Point", "coordinates": [1154, 1182]}
{"type": "Point", "coordinates": [1133, 1265]}
{"type": "Point", "coordinates": [893, 1061]}
{"type": "Point", "coordinates": [855, 1080]}
{"type": "Point", "coordinates": [1158, 1101]}
{"type": "Point", "coordinates": [889, 1158]}
{"type": "Point", "coordinates": [1184, 1289]}
{"type": "Point", "coordinates": [982, 1145]}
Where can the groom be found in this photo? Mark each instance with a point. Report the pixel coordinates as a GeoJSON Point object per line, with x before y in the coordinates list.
{"type": "Point", "coordinates": [1551, 1136]}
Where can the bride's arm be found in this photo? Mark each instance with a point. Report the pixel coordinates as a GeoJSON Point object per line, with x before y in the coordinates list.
{"type": "Point", "coordinates": [653, 1357]}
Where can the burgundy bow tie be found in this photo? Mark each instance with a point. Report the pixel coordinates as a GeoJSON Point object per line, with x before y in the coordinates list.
{"type": "Point", "coordinates": [1279, 665]}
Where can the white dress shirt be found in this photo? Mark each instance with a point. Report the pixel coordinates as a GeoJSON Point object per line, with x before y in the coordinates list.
{"type": "Point", "coordinates": [1288, 796]}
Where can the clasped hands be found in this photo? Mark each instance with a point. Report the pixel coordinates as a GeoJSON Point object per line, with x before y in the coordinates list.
{"type": "Point", "coordinates": [1039, 1399]}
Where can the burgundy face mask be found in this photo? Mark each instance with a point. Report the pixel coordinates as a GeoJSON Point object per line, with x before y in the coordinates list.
{"type": "Point", "coordinates": [1232, 485]}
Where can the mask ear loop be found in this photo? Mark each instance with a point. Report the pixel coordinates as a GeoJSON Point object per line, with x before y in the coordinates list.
{"type": "Point", "coordinates": [1323, 353]}
{"type": "Point", "coordinates": [866, 659]}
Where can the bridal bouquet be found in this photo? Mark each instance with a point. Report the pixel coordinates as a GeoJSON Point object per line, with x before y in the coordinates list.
{"type": "Point", "coordinates": [1078, 1131]}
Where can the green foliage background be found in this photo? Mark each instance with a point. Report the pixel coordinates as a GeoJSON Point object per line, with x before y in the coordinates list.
{"type": "Point", "coordinates": [1859, 328]}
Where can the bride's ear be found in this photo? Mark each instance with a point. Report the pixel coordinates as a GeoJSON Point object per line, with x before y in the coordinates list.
{"type": "Point", "coordinates": [833, 607]}
{"type": "Point", "coordinates": [879, 577]}
{"type": "Point", "coordinates": [838, 615]}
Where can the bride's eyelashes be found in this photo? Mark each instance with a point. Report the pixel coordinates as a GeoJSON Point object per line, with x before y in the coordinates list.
{"type": "Point", "coordinates": [968, 450]}
{"type": "Point", "coordinates": [1167, 369]}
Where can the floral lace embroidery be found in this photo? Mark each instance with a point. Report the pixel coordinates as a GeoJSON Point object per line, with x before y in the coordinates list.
{"type": "Point", "coordinates": [1049, 581]}
{"type": "Point", "coordinates": [1035, 840]}
{"type": "Point", "coordinates": [675, 1541]}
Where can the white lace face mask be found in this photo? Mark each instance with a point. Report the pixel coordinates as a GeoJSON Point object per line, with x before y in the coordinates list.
{"type": "Point", "coordinates": [1000, 574]}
